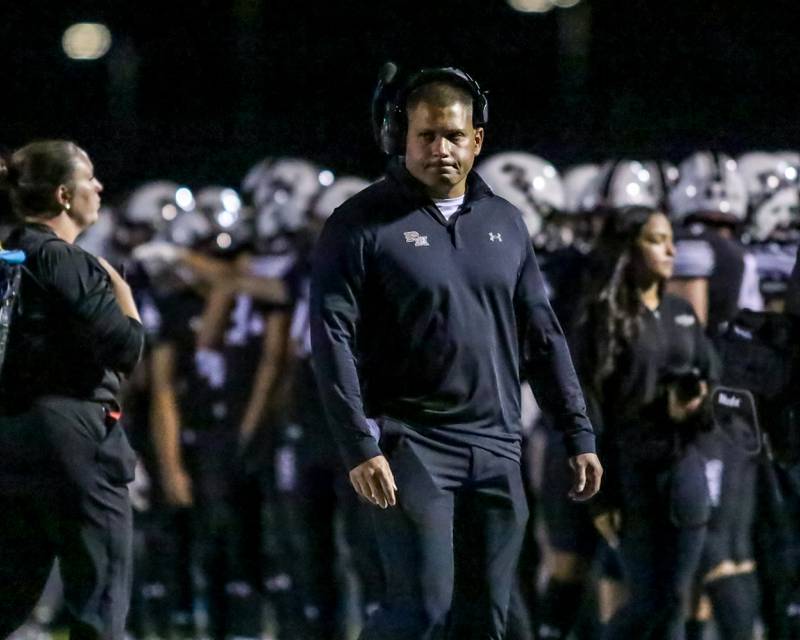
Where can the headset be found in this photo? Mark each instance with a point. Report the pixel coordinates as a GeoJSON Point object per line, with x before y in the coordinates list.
{"type": "Point", "coordinates": [391, 93]}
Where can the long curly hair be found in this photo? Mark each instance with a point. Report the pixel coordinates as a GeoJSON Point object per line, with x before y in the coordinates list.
{"type": "Point", "coordinates": [612, 307]}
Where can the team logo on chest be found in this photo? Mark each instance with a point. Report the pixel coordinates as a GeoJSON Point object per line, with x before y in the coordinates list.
{"type": "Point", "coordinates": [495, 237]}
{"type": "Point", "coordinates": [416, 239]}
{"type": "Point", "coordinates": [685, 320]}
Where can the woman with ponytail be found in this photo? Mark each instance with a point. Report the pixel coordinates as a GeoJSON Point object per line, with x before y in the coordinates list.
{"type": "Point", "coordinates": [647, 367]}
{"type": "Point", "coordinates": [64, 459]}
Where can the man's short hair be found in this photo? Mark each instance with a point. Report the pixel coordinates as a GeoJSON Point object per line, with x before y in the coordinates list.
{"type": "Point", "coordinates": [440, 94]}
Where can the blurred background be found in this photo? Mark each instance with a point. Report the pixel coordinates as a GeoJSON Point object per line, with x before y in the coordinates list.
{"type": "Point", "coordinates": [199, 91]}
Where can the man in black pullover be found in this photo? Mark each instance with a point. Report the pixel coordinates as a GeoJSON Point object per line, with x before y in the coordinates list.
{"type": "Point", "coordinates": [427, 305]}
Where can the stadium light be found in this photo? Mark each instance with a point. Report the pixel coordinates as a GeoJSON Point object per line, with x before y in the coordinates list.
{"type": "Point", "coordinates": [86, 41]}
{"type": "Point", "coordinates": [540, 6]}
{"type": "Point", "coordinates": [531, 6]}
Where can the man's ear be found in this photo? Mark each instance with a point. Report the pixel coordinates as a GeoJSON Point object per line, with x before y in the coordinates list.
{"type": "Point", "coordinates": [478, 140]}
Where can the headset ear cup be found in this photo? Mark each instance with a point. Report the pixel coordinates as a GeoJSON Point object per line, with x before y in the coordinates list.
{"type": "Point", "coordinates": [481, 110]}
{"type": "Point", "coordinates": [386, 131]}
{"type": "Point", "coordinates": [393, 131]}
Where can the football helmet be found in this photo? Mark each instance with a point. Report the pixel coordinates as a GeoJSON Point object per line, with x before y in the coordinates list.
{"type": "Point", "coordinates": [625, 183]}
{"type": "Point", "coordinates": [577, 181]}
{"type": "Point", "coordinates": [777, 217]}
{"type": "Point", "coordinates": [529, 182]}
{"type": "Point", "coordinates": [281, 192]}
{"type": "Point", "coordinates": [342, 189]}
{"type": "Point", "coordinates": [150, 210]}
{"type": "Point", "coordinates": [224, 216]}
{"type": "Point", "coordinates": [711, 187]}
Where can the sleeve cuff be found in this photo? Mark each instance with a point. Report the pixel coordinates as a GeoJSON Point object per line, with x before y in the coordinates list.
{"type": "Point", "coordinates": [360, 450]}
{"type": "Point", "coordinates": [580, 441]}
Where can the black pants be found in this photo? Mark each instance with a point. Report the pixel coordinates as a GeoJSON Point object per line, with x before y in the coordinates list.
{"type": "Point", "coordinates": [310, 496]}
{"type": "Point", "coordinates": [63, 493]}
{"type": "Point", "coordinates": [665, 510]}
{"type": "Point", "coordinates": [450, 546]}
{"type": "Point", "coordinates": [228, 533]}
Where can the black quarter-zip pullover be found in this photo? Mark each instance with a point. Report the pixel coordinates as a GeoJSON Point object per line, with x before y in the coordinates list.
{"type": "Point", "coordinates": [430, 322]}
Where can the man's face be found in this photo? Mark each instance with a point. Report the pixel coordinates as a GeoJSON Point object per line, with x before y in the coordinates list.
{"type": "Point", "coordinates": [441, 145]}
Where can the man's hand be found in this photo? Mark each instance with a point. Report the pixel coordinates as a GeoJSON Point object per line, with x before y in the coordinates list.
{"type": "Point", "coordinates": [373, 481]}
{"type": "Point", "coordinates": [587, 472]}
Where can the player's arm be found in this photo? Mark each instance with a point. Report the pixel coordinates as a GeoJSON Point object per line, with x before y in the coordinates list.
{"type": "Point", "coordinates": [237, 280]}
{"type": "Point", "coordinates": [215, 316]}
{"type": "Point", "coordinates": [165, 426]}
{"type": "Point", "coordinates": [273, 362]}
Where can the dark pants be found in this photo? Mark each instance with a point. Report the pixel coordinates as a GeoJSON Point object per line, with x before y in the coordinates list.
{"type": "Point", "coordinates": [63, 493]}
{"type": "Point", "coordinates": [163, 589]}
{"type": "Point", "coordinates": [228, 533]}
{"type": "Point", "coordinates": [665, 513]}
{"type": "Point", "coordinates": [450, 546]}
{"type": "Point", "coordinates": [310, 495]}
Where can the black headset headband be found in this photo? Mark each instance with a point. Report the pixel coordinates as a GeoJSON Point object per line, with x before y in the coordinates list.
{"type": "Point", "coordinates": [448, 75]}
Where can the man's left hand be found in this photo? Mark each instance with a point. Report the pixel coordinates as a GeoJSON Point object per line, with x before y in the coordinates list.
{"type": "Point", "coordinates": [587, 472]}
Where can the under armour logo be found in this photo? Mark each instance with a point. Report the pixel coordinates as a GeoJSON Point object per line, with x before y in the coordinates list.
{"type": "Point", "coordinates": [418, 240]}
{"type": "Point", "coordinates": [495, 237]}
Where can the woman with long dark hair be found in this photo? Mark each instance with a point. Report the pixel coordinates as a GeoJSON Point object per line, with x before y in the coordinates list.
{"type": "Point", "coordinates": [64, 460]}
{"type": "Point", "coordinates": [647, 366]}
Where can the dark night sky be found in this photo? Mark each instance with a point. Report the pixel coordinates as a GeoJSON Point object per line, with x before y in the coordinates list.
{"type": "Point", "coordinates": [199, 91]}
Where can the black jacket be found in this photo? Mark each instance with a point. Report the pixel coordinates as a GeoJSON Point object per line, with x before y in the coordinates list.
{"type": "Point", "coordinates": [68, 336]}
{"type": "Point", "coordinates": [430, 322]}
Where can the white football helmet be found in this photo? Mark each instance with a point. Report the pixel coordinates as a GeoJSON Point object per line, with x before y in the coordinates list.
{"type": "Point", "coordinates": [578, 181]}
{"type": "Point", "coordinates": [222, 211]}
{"type": "Point", "coordinates": [342, 189]}
{"type": "Point", "coordinates": [528, 182]}
{"type": "Point", "coordinates": [626, 183]}
{"type": "Point", "coordinates": [154, 204]}
{"type": "Point", "coordinates": [762, 172]}
{"type": "Point", "coordinates": [777, 217]}
{"type": "Point", "coordinates": [710, 185]}
{"type": "Point", "coordinates": [772, 180]}
{"type": "Point", "coordinates": [282, 192]}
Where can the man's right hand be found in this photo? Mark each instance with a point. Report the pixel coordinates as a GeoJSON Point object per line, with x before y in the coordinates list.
{"type": "Point", "coordinates": [373, 481]}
